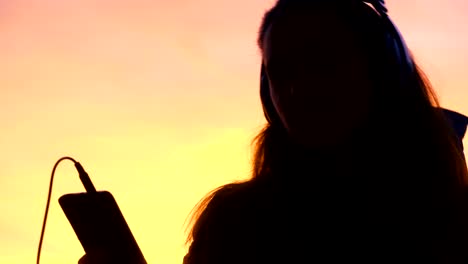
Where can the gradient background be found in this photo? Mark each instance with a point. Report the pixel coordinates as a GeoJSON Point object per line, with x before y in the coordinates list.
{"type": "Point", "coordinates": [158, 100]}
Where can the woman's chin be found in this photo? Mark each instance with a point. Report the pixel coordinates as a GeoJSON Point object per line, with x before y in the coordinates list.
{"type": "Point", "coordinates": [320, 140]}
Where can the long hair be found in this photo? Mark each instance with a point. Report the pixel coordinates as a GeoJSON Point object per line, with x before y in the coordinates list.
{"type": "Point", "coordinates": [411, 146]}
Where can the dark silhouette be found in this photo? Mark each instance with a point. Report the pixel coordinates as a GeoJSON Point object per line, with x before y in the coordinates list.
{"type": "Point", "coordinates": [357, 163]}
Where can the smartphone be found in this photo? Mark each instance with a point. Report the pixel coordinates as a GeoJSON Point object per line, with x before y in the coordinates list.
{"type": "Point", "coordinates": [100, 226]}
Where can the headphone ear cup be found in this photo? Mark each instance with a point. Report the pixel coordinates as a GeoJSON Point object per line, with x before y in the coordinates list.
{"type": "Point", "coordinates": [458, 123]}
{"type": "Point", "coordinates": [399, 51]}
{"type": "Point", "coordinates": [268, 107]}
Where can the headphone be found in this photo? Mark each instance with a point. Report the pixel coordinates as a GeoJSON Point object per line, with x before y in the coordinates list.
{"type": "Point", "coordinates": [399, 52]}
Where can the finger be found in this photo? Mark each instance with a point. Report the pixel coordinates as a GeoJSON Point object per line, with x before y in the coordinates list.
{"type": "Point", "coordinates": [83, 260]}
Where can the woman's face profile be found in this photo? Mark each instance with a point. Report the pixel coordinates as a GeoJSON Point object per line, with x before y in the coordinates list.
{"type": "Point", "coordinates": [318, 77]}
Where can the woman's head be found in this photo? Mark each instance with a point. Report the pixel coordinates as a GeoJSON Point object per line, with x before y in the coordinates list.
{"type": "Point", "coordinates": [328, 66]}
{"type": "Point", "coordinates": [317, 73]}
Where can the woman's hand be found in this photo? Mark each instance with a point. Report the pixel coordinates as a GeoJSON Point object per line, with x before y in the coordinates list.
{"type": "Point", "coordinates": [84, 260]}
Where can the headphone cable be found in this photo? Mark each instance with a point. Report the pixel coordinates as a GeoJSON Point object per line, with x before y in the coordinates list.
{"type": "Point", "coordinates": [84, 179]}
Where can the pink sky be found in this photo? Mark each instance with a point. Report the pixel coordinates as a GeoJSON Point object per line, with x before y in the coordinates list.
{"type": "Point", "coordinates": [158, 100]}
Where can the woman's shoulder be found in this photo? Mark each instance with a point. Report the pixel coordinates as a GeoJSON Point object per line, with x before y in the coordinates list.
{"type": "Point", "coordinates": [233, 198]}
{"type": "Point", "coordinates": [226, 216]}
{"type": "Point", "coordinates": [231, 208]}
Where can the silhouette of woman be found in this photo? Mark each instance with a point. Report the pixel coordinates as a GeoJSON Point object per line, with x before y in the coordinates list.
{"type": "Point", "coordinates": [357, 161]}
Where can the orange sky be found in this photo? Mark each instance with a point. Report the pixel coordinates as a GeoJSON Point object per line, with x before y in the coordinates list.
{"type": "Point", "coordinates": [158, 100]}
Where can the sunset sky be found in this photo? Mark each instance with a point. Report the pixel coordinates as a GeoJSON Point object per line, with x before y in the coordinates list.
{"type": "Point", "coordinates": [158, 100]}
